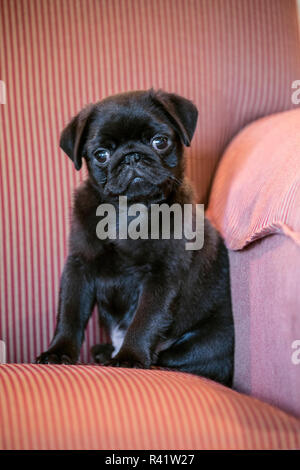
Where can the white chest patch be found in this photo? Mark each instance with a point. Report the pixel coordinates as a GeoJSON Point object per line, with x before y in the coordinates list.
{"type": "Point", "coordinates": [117, 338]}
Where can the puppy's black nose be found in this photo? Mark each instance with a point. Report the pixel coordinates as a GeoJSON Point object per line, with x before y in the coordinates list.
{"type": "Point", "coordinates": [131, 158]}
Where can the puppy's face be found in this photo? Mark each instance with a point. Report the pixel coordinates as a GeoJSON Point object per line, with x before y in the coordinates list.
{"type": "Point", "coordinates": [132, 143]}
{"type": "Point", "coordinates": [132, 152]}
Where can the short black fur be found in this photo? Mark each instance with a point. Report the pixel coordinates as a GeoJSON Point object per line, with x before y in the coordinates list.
{"type": "Point", "coordinates": [164, 305]}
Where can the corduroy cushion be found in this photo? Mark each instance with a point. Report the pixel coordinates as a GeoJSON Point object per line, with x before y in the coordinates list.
{"type": "Point", "coordinates": [91, 407]}
{"type": "Point", "coordinates": [256, 191]}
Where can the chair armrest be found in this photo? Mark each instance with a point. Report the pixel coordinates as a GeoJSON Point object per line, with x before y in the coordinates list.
{"type": "Point", "coordinates": [255, 204]}
{"type": "Point", "coordinates": [256, 190]}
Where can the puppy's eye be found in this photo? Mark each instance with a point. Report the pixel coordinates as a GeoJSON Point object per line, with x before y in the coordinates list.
{"type": "Point", "coordinates": [102, 155]}
{"type": "Point", "coordinates": [160, 142]}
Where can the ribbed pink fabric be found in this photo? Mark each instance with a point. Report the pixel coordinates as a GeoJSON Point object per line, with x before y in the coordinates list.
{"type": "Point", "coordinates": [266, 305]}
{"type": "Point", "coordinates": [91, 407]}
{"type": "Point", "coordinates": [256, 190]}
{"type": "Point", "coordinates": [256, 193]}
{"type": "Point", "coordinates": [236, 59]}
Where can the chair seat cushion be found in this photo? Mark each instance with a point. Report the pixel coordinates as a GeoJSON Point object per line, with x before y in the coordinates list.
{"type": "Point", "coordinates": [256, 191]}
{"type": "Point", "coordinates": [93, 407]}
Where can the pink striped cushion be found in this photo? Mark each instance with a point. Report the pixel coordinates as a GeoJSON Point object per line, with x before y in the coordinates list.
{"type": "Point", "coordinates": [91, 407]}
{"type": "Point", "coordinates": [235, 59]}
{"type": "Point", "coordinates": [256, 190]}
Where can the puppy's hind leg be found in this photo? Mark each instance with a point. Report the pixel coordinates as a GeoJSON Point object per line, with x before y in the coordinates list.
{"type": "Point", "coordinates": [206, 351]}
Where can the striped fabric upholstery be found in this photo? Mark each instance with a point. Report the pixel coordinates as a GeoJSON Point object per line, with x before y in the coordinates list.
{"type": "Point", "coordinates": [91, 407]}
{"type": "Point", "coordinates": [256, 193]}
{"type": "Point", "coordinates": [236, 59]}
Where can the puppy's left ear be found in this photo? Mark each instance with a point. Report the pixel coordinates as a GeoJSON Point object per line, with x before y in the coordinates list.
{"type": "Point", "coordinates": [181, 112]}
{"type": "Point", "coordinates": [72, 138]}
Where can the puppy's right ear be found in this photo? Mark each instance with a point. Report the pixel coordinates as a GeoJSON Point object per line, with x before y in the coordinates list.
{"type": "Point", "coordinates": [72, 138]}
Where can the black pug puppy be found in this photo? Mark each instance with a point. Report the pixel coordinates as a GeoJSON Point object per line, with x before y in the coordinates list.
{"type": "Point", "coordinates": [162, 304]}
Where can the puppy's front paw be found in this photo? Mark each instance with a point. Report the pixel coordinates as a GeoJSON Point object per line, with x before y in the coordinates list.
{"type": "Point", "coordinates": [54, 358]}
{"type": "Point", "coordinates": [124, 359]}
{"type": "Point", "coordinates": [102, 352]}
